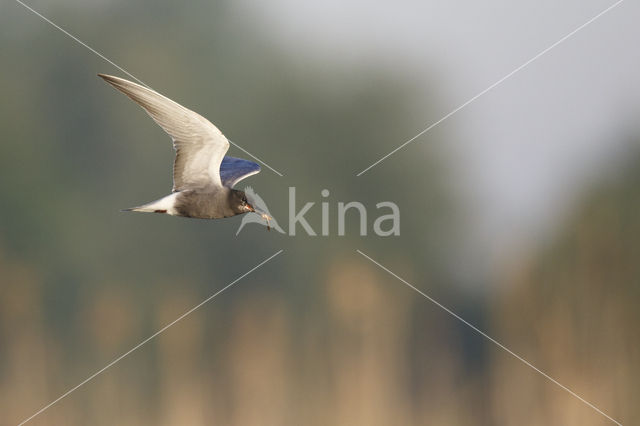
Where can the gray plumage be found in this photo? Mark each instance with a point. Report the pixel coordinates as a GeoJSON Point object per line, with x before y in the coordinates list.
{"type": "Point", "coordinates": [210, 205]}
{"type": "Point", "coordinates": [203, 178]}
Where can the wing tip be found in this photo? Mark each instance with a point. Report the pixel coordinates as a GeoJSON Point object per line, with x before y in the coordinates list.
{"type": "Point", "coordinates": [107, 77]}
{"type": "Point", "coordinates": [116, 82]}
{"type": "Point", "coordinates": [119, 82]}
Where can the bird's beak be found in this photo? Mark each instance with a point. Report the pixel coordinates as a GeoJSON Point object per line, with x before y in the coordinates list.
{"type": "Point", "coordinates": [249, 208]}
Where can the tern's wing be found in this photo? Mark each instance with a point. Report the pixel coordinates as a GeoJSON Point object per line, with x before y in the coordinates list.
{"type": "Point", "coordinates": [199, 145]}
{"type": "Point", "coordinates": [233, 170]}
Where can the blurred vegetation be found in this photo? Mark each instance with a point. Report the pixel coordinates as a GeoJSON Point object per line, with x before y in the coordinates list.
{"type": "Point", "coordinates": [577, 318]}
{"type": "Point", "coordinates": [318, 335]}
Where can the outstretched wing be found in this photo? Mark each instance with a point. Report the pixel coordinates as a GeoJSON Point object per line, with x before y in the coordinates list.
{"type": "Point", "coordinates": [199, 145]}
{"type": "Point", "coordinates": [233, 170]}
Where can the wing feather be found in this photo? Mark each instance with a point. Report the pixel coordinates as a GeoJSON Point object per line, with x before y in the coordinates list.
{"type": "Point", "coordinates": [199, 145]}
{"type": "Point", "coordinates": [233, 170]}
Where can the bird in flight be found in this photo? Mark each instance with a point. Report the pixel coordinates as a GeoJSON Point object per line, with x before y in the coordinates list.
{"type": "Point", "coordinates": [203, 177]}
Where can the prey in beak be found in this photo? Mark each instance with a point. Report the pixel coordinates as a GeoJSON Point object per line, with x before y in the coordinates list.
{"type": "Point", "coordinates": [249, 208]}
{"type": "Point", "coordinates": [267, 218]}
{"type": "Point", "coordinates": [258, 207]}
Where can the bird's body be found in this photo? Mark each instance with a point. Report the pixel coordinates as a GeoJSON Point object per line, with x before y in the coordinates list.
{"type": "Point", "coordinates": [203, 177]}
{"type": "Point", "coordinates": [206, 205]}
{"type": "Point", "coordinates": [196, 204]}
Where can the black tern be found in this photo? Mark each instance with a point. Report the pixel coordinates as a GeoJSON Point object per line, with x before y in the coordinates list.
{"type": "Point", "coordinates": [203, 177]}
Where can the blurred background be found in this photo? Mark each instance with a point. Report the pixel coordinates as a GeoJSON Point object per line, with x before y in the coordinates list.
{"type": "Point", "coordinates": [521, 213]}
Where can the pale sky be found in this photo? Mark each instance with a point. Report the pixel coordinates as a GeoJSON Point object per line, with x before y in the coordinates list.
{"type": "Point", "coordinates": [525, 151]}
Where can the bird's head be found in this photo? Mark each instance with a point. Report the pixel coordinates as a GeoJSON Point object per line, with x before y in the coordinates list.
{"type": "Point", "coordinates": [239, 203]}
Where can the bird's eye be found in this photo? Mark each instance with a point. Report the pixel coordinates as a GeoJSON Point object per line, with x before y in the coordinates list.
{"type": "Point", "coordinates": [244, 200]}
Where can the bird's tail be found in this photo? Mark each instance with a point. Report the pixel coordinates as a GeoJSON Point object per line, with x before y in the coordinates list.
{"type": "Point", "coordinates": [144, 209]}
{"type": "Point", "coordinates": [163, 205]}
